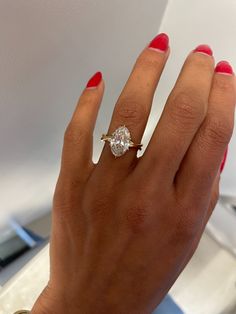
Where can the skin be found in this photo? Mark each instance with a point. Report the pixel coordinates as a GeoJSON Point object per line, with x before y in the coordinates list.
{"type": "Point", "coordinates": [123, 229]}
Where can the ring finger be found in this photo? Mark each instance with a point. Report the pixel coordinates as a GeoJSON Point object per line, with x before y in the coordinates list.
{"type": "Point", "coordinates": [134, 104]}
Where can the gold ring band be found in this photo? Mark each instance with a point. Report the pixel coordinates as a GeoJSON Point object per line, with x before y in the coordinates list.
{"type": "Point", "coordinates": [107, 137]}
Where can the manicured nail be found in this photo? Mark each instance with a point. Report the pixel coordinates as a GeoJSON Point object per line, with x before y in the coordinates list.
{"type": "Point", "coordinates": [160, 43]}
{"type": "Point", "coordinates": [224, 160]}
{"type": "Point", "coordinates": [204, 49]}
{"type": "Point", "coordinates": [223, 67]}
{"type": "Point", "coordinates": [95, 80]}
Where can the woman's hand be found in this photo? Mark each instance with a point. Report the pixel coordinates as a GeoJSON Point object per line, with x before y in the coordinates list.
{"type": "Point", "coordinates": [124, 228]}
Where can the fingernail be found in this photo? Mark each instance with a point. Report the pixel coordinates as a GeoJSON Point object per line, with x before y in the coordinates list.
{"type": "Point", "coordinates": [224, 160]}
{"type": "Point", "coordinates": [160, 43]}
{"type": "Point", "coordinates": [223, 67]}
{"type": "Point", "coordinates": [205, 49]}
{"type": "Point", "coordinates": [95, 80]}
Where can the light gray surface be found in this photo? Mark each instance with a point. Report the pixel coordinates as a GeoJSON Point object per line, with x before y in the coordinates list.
{"type": "Point", "coordinates": [12, 269]}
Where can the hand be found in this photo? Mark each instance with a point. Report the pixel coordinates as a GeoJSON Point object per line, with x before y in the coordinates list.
{"type": "Point", "coordinates": [124, 228]}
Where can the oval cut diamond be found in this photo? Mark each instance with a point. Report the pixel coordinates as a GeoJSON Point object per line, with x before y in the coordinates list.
{"type": "Point", "coordinates": [120, 140]}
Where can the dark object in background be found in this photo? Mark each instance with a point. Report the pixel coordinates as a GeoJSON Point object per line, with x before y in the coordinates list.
{"type": "Point", "coordinates": [10, 249]}
{"type": "Point", "coordinates": [17, 239]}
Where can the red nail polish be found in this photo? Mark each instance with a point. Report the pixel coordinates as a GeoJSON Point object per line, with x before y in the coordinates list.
{"type": "Point", "coordinates": [224, 67]}
{"type": "Point", "coordinates": [224, 160]}
{"type": "Point", "coordinates": [95, 80]}
{"type": "Point", "coordinates": [160, 42]}
{"type": "Point", "coordinates": [204, 49]}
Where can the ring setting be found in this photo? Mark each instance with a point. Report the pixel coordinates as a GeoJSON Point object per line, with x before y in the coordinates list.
{"type": "Point", "coordinates": [120, 141]}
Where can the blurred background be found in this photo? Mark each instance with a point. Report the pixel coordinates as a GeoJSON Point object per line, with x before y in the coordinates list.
{"type": "Point", "coordinates": [48, 51]}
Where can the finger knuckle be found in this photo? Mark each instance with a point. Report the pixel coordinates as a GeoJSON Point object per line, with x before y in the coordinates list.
{"type": "Point", "coordinates": [62, 208]}
{"type": "Point", "coordinates": [147, 61]}
{"type": "Point", "coordinates": [98, 208]}
{"type": "Point", "coordinates": [62, 201]}
{"type": "Point", "coordinates": [87, 99]}
{"type": "Point", "coordinates": [74, 134]}
{"type": "Point", "coordinates": [223, 86]}
{"type": "Point", "coordinates": [187, 220]}
{"type": "Point", "coordinates": [197, 62]}
{"type": "Point", "coordinates": [217, 131]}
{"type": "Point", "coordinates": [137, 218]}
{"type": "Point", "coordinates": [188, 224]}
{"type": "Point", "coordinates": [130, 111]}
{"type": "Point", "coordinates": [187, 107]}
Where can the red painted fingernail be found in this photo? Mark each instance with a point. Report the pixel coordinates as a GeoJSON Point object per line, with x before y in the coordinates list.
{"type": "Point", "coordinates": [223, 67]}
{"type": "Point", "coordinates": [204, 49]}
{"type": "Point", "coordinates": [224, 160]}
{"type": "Point", "coordinates": [160, 42]}
{"type": "Point", "coordinates": [95, 80]}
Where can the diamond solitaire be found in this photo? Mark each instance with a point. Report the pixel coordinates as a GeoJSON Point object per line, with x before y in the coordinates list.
{"type": "Point", "coordinates": [120, 141]}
